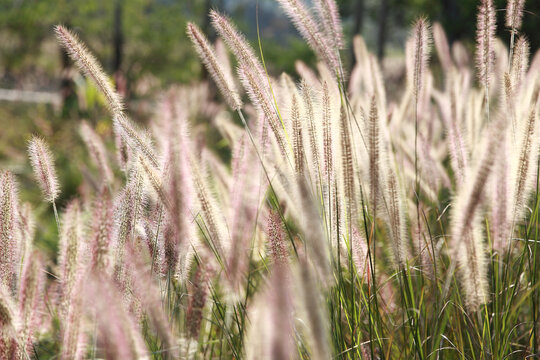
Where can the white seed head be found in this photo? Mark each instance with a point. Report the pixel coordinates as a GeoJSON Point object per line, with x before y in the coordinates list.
{"type": "Point", "coordinates": [43, 165]}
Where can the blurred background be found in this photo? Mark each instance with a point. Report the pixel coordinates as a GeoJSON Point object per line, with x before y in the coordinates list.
{"type": "Point", "coordinates": [143, 42]}
{"type": "Point", "coordinates": [143, 46]}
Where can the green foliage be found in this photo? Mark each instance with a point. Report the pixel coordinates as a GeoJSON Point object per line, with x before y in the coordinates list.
{"type": "Point", "coordinates": [153, 34]}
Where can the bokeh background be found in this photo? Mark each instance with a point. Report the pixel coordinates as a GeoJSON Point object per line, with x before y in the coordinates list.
{"type": "Point", "coordinates": [143, 46]}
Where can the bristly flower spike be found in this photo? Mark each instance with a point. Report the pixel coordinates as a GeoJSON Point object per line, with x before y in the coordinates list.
{"type": "Point", "coordinates": [9, 317]}
{"type": "Point", "coordinates": [263, 102]}
{"type": "Point", "coordinates": [421, 44]}
{"type": "Point", "coordinates": [97, 151]}
{"type": "Point", "coordinates": [9, 219]}
{"type": "Point", "coordinates": [374, 155]}
{"type": "Point", "coordinates": [90, 66]}
{"type": "Point", "coordinates": [276, 241]}
{"type": "Point", "coordinates": [298, 12]}
{"type": "Point", "coordinates": [298, 145]}
{"type": "Point", "coordinates": [467, 244]}
{"type": "Point", "coordinates": [31, 291]}
{"type": "Point", "coordinates": [43, 165]}
{"type": "Point", "coordinates": [209, 58]}
{"type": "Point", "coordinates": [102, 230]}
{"type": "Point", "coordinates": [520, 62]}
{"type": "Point", "coordinates": [329, 13]}
{"type": "Point", "coordinates": [513, 20]}
{"type": "Point", "coordinates": [485, 42]}
{"type": "Point", "coordinates": [514, 14]}
{"type": "Point", "coordinates": [239, 46]}
{"type": "Point", "coordinates": [442, 47]}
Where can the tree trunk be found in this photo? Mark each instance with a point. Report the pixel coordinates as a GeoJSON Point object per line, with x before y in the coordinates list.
{"type": "Point", "coordinates": [358, 17]}
{"type": "Point", "coordinates": [118, 37]}
{"type": "Point", "coordinates": [118, 49]}
{"type": "Point", "coordinates": [67, 86]}
{"type": "Point", "coordinates": [358, 25]}
{"type": "Point", "coordinates": [451, 18]}
{"type": "Point", "coordinates": [206, 30]}
{"type": "Point", "coordinates": [382, 28]}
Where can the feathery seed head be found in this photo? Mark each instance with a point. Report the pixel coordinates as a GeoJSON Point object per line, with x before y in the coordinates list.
{"type": "Point", "coordinates": [298, 144]}
{"type": "Point", "coordinates": [303, 20]}
{"type": "Point", "coordinates": [102, 228]}
{"type": "Point", "coordinates": [458, 150]}
{"type": "Point", "coordinates": [528, 148]}
{"type": "Point", "coordinates": [327, 136]}
{"type": "Point", "coordinates": [395, 208]}
{"type": "Point", "coordinates": [208, 56]}
{"type": "Point", "coordinates": [180, 188]}
{"type": "Point", "coordinates": [316, 238]}
{"type": "Point", "coordinates": [347, 161]}
{"type": "Point", "coordinates": [70, 257]}
{"type": "Point", "coordinates": [127, 211]}
{"type": "Point", "coordinates": [43, 165]}
{"type": "Point", "coordinates": [442, 46]}
{"type": "Point", "coordinates": [154, 178]}
{"type": "Point", "coordinates": [9, 318]}
{"type": "Point", "coordinates": [420, 45]}
{"type": "Point", "coordinates": [260, 98]}
{"type": "Point", "coordinates": [359, 251]}
{"type": "Point", "coordinates": [213, 219]}
{"type": "Point", "coordinates": [271, 331]}
{"type": "Point", "coordinates": [329, 13]}
{"type": "Point", "coordinates": [282, 315]}
{"type": "Point", "coordinates": [27, 230]}
{"type": "Point", "coordinates": [198, 290]}
{"type": "Point", "coordinates": [308, 99]}
{"type": "Point", "coordinates": [500, 217]}
{"type": "Point", "coordinates": [274, 229]}
{"type": "Point", "coordinates": [374, 153]}
{"type": "Point", "coordinates": [472, 261]}
{"type": "Point", "coordinates": [222, 56]}
{"type": "Point", "coordinates": [30, 298]}
{"type": "Point", "coordinates": [90, 67]}
{"type": "Point", "coordinates": [318, 323]}
{"type": "Point", "coordinates": [9, 221]}
{"type": "Point", "coordinates": [139, 141]}
{"type": "Point", "coordinates": [244, 194]}
{"type": "Point", "coordinates": [485, 41]}
{"type": "Point", "coordinates": [122, 151]}
{"type": "Point", "coordinates": [467, 243]}
{"type": "Point", "coordinates": [146, 291]}
{"type": "Point", "coordinates": [117, 331]}
{"type": "Point", "coordinates": [238, 44]}
{"type": "Point", "coordinates": [514, 14]}
{"type": "Point", "coordinates": [97, 151]}
{"type": "Point", "coordinates": [520, 61]}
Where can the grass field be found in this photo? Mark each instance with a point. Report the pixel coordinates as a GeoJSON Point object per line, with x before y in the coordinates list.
{"type": "Point", "coordinates": [340, 213]}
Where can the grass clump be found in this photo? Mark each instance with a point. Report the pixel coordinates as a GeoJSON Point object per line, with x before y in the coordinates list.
{"type": "Point", "coordinates": [346, 225]}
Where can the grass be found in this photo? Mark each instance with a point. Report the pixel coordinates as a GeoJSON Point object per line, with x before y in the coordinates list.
{"type": "Point", "coordinates": [311, 220]}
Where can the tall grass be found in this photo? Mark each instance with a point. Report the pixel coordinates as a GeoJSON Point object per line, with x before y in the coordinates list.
{"type": "Point", "coordinates": [350, 223]}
